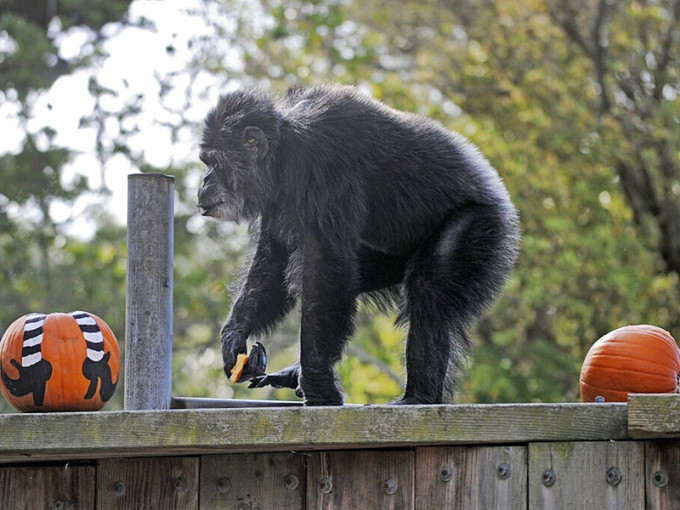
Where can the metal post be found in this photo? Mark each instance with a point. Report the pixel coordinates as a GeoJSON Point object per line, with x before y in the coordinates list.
{"type": "Point", "coordinates": [148, 331]}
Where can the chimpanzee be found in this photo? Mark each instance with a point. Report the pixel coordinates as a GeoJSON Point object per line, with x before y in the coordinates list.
{"type": "Point", "coordinates": [351, 197]}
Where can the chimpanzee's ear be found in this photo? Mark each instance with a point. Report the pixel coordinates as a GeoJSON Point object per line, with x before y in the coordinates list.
{"type": "Point", "coordinates": [256, 142]}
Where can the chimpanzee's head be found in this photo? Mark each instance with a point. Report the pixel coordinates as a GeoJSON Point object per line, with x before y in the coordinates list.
{"type": "Point", "coordinates": [240, 138]}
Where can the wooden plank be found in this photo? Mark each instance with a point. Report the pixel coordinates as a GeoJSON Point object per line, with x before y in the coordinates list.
{"type": "Point", "coordinates": [252, 480]}
{"type": "Point", "coordinates": [65, 487]}
{"type": "Point", "coordinates": [465, 477]}
{"type": "Point", "coordinates": [171, 432]}
{"type": "Point", "coordinates": [228, 403]}
{"type": "Point", "coordinates": [361, 479]}
{"type": "Point", "coordinates": [662, 475]}
{"type": "Point", "coordinates": [654, 416]}
{"type": "Point", "coordinates": [167, 483]}
{"type": "Point", "coordinates": [582, 475]}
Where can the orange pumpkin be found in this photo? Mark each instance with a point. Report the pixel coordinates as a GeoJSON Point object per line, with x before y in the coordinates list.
{"type": "Point", "coordinates": [631, 359]}
{"type": "Point", "coordinates": [59, 362]}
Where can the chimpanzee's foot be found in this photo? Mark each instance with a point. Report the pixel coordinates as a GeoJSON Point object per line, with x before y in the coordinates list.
{"type": "Point", "coordinates": [289, 377]}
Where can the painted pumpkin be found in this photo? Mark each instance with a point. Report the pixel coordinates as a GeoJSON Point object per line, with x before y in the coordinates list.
{"type": "Point", "coordinates": [631, 359]}
{"type": "Point", "coordinates": [59, 362]}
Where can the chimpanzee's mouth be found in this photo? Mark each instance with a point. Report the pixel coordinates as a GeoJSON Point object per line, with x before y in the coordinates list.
{"type": "Point", "coordinates": [208, 209]}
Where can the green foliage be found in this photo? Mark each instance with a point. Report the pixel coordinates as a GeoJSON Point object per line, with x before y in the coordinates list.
{"type": "Point", "coordinates": [31, 47]}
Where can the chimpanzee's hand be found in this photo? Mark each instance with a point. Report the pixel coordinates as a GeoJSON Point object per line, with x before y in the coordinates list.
{"type": "Point", "coordinates": [233, 344]}
{"type": "Point", "coordinates": [256, 364]}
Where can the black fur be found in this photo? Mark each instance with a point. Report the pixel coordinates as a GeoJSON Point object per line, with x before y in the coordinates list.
{"type": "Point", "coordinates": [352, 197]}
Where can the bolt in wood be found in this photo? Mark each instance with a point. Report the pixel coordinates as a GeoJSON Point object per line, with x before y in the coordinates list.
{"type": "Point", "coordinates": [390, 487]}
{"type": "Point", "coordinates": [446, 473]}
{"type": "Point", "coordinates": [291, 482]}
{"type": "Point", "coordinates": [660, 479]}
{"type": "Point", "coordinates": [548, 478]}
{"type": "Point", "coordinates": [503, 471]}
{"type": "Point", "coordinates": [181, 484]}
{"type": "Point", "coordinates": [118, 488]}
{"type": "Point", "coordinates": [614, 477]}
{"type": "Point", "coordinates": [223, 485]}
{"type": "Point", "coordinates": [326, 485]}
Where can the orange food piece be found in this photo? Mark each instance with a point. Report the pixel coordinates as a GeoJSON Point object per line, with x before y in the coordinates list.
{"type": "Point", "coordinates": [240, 364]}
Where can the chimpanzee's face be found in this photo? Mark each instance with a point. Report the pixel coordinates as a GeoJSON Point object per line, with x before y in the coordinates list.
{"type": "Point", "coordinates": [234, 149]}
{"type": "Point", "coordinates": [220, 195]}
{"type": "Point", "coordinates": [231, 186]}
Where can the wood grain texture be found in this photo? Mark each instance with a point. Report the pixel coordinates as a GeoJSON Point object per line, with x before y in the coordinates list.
{"type": "Point", "coordinates": [65, 487]}
{"type": "Point", "coordinates": [348, 480]}
{"type": "Point", "coordinates": [654, 416]}
{"type": "Point", "coordinates": [465, 477]}
{"type": "Point", "coordinates": [130, 484]}
{"type": "Point", "coordinates": [252, 480]}
{"type": "Point", "coordinates": [170, 432]}
{"type": "Point", "coordinates": [662, 475]}
{"type": "Point", "coordinates": [148, 300]}
{"type": "Point", "coordinates": [581, 472]}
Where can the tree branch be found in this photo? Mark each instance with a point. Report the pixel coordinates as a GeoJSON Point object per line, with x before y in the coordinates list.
{"type": "Point", "coordinates": [372, 360]}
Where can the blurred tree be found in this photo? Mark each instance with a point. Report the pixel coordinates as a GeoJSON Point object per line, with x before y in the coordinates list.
{"type": "Point", "coordinates": [41, 268]}
{"type": "Point", "coordinates": [634, 64]}
{"type": "Point", "coordinates": [574, 102]}
{"type": "Point", "coordinates": [36, 63]}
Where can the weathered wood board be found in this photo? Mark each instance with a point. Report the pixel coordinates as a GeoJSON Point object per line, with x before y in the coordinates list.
{"type": "Point", "coordinates": [347, 480]}
{"type": "Point", "coordinates": [134, 483]}
{"type": "Point", "coordinates": [577, 476]}
{"type": "Point", "coordinates": [253, 480]}
{"type": "Point", "coordinates": [190, 432]}
{"type": "Point", "coordinates": [651, 416]}
{"type": "Point", "coordinates": [31, 488]}
{"type": "Point", "coordinates": [465, 477]}
{"type": "Point", "coordinates": [662, 475]}
{"type": "Point", "coordinates": [613, 475]}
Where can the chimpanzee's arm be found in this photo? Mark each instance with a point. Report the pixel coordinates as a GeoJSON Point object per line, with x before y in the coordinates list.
{"type": "Point", "coordinates": [261, 301]}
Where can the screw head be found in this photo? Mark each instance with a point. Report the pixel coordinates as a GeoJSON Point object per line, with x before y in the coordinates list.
{"type": "Point", "coordinates": [326, 485]}
{"type": "Point", "coordinates": [291, 482]}
{"type": "Point", "coordinates": [660, 479]}
{"type": "Point", "coordinates": [118, 488]}
{"type": "Point", "coordinates": [61, 504]}
{"type": "Point", "coordinates": [503, 471]}
{"type": "Point", "coordinates": [223, 485]}
{"type": "Point", "coordinates": [548, 478]}
{"type": "Point", "coordinates": [614, 477]}
{"type": "Point", "coordinates": [390, 486]}
{"type": "Point", "coordinates": [181, 484]}
{"type": "Point", "coordinates": [446, 473]}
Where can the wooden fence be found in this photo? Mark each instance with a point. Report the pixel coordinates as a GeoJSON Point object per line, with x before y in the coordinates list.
{"type": "Point", "coordinates": [179, 453]}
{"type": "Point", "coordinates": [536, 456]}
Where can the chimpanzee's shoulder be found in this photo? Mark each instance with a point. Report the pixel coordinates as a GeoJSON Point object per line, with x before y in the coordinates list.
{"type": "Point", "coordinates": [322, 98]}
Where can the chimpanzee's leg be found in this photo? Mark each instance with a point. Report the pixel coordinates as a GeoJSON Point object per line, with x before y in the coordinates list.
{"type": "Point", "coordinates": [450, 281]}
{"type": "Point", "coordinates": [377, 270]}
